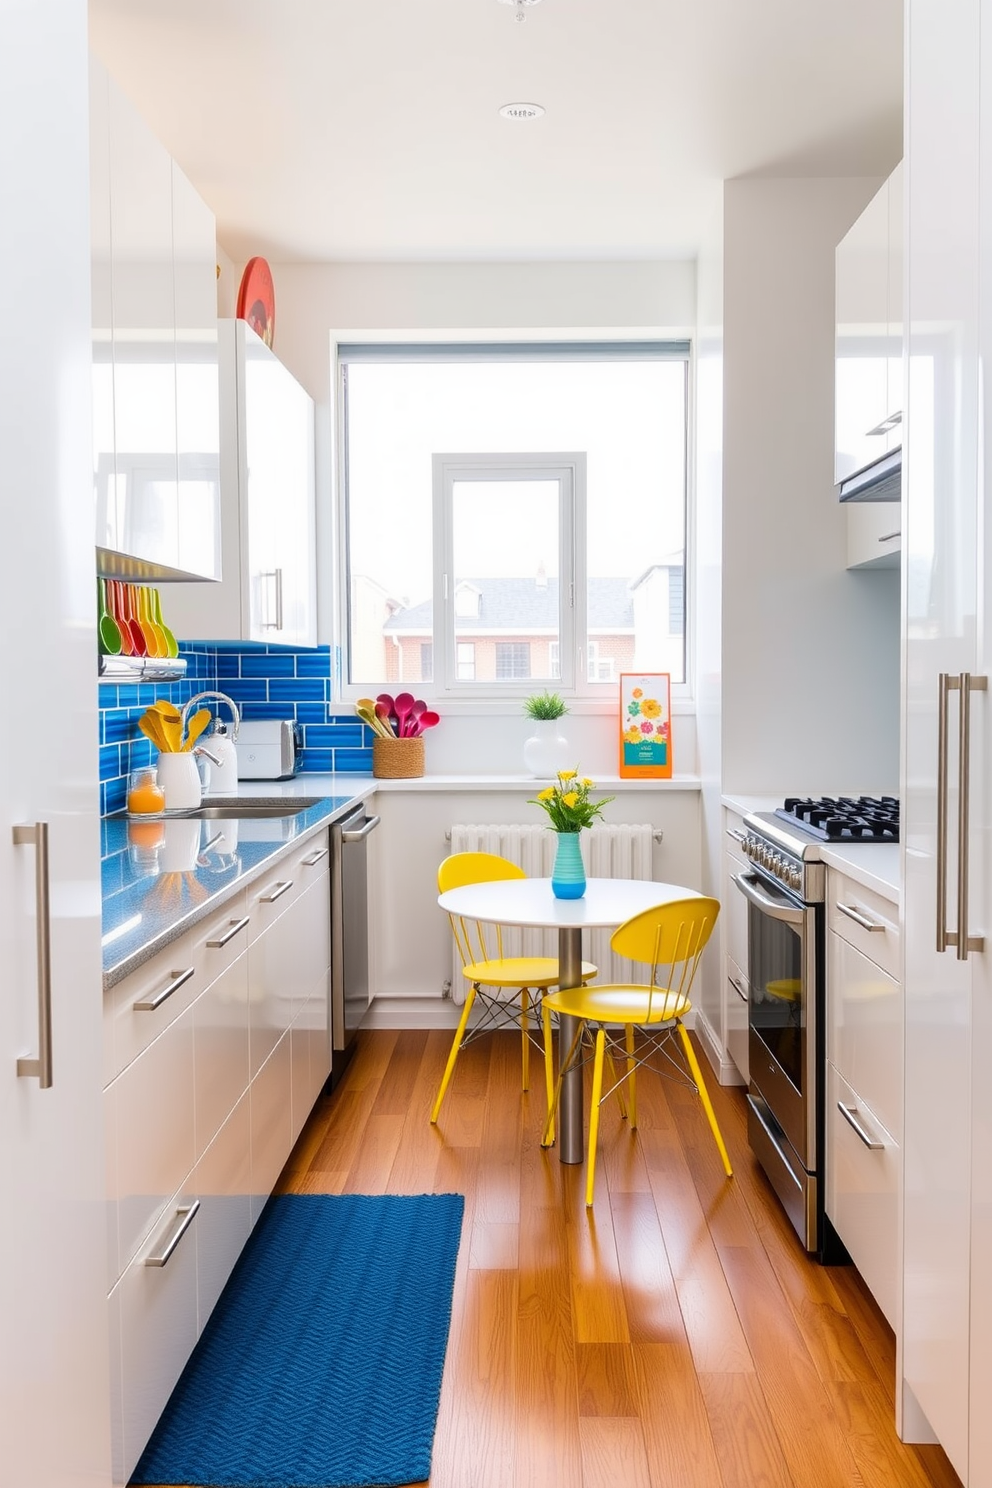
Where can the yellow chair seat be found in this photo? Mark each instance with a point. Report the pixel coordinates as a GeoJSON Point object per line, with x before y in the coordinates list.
{"type": "Point", "coordinates": [520, 971]}
{"type": "Point", "coordinates": [618, 1003]}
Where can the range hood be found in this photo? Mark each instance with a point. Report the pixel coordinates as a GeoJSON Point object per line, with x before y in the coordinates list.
{"type": "Point", "coordinates": [879, 481]}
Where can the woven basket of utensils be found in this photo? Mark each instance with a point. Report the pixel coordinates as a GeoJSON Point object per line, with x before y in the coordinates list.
{"type": "Point", "coordinates": [397, 759]}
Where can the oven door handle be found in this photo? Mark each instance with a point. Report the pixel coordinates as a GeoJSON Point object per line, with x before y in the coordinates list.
{"type": "Point", "coordinates": [774, 908]}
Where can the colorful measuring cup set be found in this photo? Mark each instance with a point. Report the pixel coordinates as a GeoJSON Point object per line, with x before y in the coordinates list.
{"type": "Point", "coordinates": [130, 623]}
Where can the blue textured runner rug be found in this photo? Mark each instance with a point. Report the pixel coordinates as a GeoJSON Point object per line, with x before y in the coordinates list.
{"type": "Point", "coordinates": [321, 1364]}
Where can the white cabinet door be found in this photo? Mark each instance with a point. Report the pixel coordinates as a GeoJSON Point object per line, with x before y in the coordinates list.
{"type": "Point", "coordinates": [734, 931]}
{"type": "Point", "coordinates": [54, 1368]}
{"type": "Point", "coordinates": [194, 248]}
{"type": "Point", "coordinates": [268, 544]}
{"type": "Point", "coordinates": [942, 602]}
{"type": "Point", "coordinates": [139, 500]}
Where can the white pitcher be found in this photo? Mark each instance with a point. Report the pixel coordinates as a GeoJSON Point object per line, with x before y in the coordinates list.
{"type": "Point", "coordinates": [180, 780]}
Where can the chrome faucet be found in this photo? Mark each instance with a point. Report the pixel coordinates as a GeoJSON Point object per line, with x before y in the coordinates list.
{"type": "Point", "coordinates": [223, 698]}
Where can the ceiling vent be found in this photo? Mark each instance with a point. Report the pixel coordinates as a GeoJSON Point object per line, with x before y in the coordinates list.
{"type": "Point", "coordinates": [521, 111]}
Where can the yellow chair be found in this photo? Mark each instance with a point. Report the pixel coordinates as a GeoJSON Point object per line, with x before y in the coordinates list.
{"type": "Point", "coordinates": [670, 939]}
{"type": "Point", "coordinates": [503, 985]}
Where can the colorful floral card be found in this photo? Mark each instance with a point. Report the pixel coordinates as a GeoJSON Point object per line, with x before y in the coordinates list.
{"type": "Point", "coordinates": [646, 726]}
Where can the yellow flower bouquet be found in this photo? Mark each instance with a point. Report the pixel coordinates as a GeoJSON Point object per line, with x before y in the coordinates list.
{"type": "Point", "coordinates": [568, 804]}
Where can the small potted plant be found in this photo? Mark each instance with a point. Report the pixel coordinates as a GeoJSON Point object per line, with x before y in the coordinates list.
{"type": "Point", "coordinates": [570, 808]}
{"type": "Point", "coordinates": [547, 749]}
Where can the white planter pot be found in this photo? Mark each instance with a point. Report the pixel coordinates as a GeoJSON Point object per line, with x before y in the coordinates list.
{"type": "Point", "coordinates": [547, 750]}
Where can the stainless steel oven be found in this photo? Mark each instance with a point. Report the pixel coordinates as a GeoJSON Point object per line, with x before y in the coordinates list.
{"type": "Point", "coordinates": [785, 1025]}
{"type": "Point", "coordinates": [785, 887]}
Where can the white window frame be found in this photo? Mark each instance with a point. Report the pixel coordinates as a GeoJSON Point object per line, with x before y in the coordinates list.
{"type": "Point", "coordinates": [569, 470]}
{"type": "Point", "coordinates": [651, 342]}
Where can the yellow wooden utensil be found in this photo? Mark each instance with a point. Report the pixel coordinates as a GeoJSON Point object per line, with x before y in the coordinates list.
{"type": "Point", "coordinates": [150, 725]}
{"type": "Point", "coordinates": [196, 726]}
{"type": "Point", "coordinates": [171, 720]}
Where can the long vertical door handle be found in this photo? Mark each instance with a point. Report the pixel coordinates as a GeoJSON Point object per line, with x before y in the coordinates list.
{"type": "Point", "coordinates": [943, 695]}
{"type": "Point", "coordinates": [40, 1068]}
{"type": "Point", "coordinates": [967, 684]}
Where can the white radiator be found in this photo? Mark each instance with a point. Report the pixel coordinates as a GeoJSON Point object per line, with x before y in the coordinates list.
{"type": "Point", "coordinates": [608, 851]}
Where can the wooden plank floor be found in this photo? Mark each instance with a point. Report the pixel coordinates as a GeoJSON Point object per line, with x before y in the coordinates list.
{"type": "Point", "coordinates": [674, 1337]}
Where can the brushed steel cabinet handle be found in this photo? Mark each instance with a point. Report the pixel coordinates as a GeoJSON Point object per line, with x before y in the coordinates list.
{"type": "Point", "coordinates": [967, 684]}
{"type": "Point", "coordinates": [859, 918]}
{"type": "Point", "coordinates": [737, 988]}
{"type": "Point", "coordinates": [277, 891]}
{"type": "Point", "coordinates": [185, 1214]}
{"type": "Point", "coordinates": [41, 1067]}
{"type": "Point", "coordinates": [850, 1115]}
{"type": "Point", "coordinates": [360, 833]}
{"type": "Point", "coordinates": [314, 857]}
{"type": "Point", "coordinates": [276, 575]}
{"type": "Point", "coordinates": [738, 836]}
{"type": "Point", "coordinates": [943, 699]}
{"type": "Point", "coordinates": [236, 925]}
{"type": "Point", "coordinates": [149, 1004]}
{"type": "Point", "coordinates": [891, 536]}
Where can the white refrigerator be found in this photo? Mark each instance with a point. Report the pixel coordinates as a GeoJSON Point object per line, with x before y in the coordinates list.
{"type": "Point", "coordinates": [54, 1365]}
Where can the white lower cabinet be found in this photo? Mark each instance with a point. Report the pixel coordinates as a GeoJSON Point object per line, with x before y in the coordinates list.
{"type": "Point", "coordinates": [864, 1095]}
{"type": "Point", "coordinates": [158, 1328]}
{"type": "Point", "coordinates": [215, 1051]}
{"type": "Point", "coordinates": [863, 1190]}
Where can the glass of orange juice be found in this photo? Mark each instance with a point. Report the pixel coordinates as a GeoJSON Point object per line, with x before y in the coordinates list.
{"type": "Point", "coordinates": [145, 797]}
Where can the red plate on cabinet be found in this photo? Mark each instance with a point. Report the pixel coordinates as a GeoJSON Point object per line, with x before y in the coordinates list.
{"type": "Point", "coordinates": [257, 299]}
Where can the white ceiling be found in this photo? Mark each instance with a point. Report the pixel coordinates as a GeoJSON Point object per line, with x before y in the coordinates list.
{"type": "Point", "coordinates": [368, 129]}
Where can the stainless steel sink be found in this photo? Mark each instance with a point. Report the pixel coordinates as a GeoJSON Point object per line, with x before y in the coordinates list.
{"type": "Point", "coordinates": [226, 810]}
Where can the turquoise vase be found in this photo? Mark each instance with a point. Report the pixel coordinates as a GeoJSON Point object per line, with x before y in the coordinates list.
{"type": "Point", "coordinates": [568, 876]}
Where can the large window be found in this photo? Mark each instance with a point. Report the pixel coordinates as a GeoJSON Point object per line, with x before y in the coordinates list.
{"type": "Point", "coordinates": [515, 515]}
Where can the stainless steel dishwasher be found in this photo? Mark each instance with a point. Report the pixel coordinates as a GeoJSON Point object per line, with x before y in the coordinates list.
{"type": "Point", "coordinates": [349, 931]}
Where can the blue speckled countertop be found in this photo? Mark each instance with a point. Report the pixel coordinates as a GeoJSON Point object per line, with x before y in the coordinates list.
{"type": "Point", "coordinates": [161, 877]}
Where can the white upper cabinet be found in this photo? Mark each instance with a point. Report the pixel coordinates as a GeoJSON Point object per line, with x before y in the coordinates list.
{"type": "Point", "coordinates": [155, 359]}
{"type": "Point", "coordinates": [868, 355]}
{"type": "Point", "coordinates": [268, 589]}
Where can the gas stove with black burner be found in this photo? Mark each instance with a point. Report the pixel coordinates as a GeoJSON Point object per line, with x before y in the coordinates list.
{"type": "Point", "coordinates": [844, 818]}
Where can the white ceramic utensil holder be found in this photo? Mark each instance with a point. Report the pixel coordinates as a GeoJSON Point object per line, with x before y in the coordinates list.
{"type": "Point", "coordinates": [180, 780]}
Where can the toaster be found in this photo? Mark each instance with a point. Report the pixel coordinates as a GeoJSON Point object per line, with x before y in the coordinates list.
{"type": "Point", "coordinates": [267, 749]}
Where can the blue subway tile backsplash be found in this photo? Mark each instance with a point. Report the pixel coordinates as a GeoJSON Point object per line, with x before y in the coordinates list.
{"type": "Point", "coordinates": [264, 682]}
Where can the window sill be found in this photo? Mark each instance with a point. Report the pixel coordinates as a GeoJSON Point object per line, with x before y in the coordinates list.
{"type": "Point", "coordinates": [529, 783]}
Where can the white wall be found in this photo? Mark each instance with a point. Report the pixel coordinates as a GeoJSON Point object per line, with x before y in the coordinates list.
{"type": "Point", "coordinates": [316, 301]}
{"type": "Point", "coordinates": [810, 651]}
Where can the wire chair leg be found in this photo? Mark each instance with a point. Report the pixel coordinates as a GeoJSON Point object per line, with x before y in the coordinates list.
{"type": "Point", "coordinates": [597, 1093]}
{"type": "Point", "coordinates": [616, 1084]}
{"type": "Point", "coordinates": [456, 1044]}
{"type": "Point", "coordinates": [549, 1078]}
{"type": "Point", "coordinates": [632, 1076]}
{"type": "Point", "coordinates": [697, 1075]}
{"type": "Point", "coordinates": [525, 1035]}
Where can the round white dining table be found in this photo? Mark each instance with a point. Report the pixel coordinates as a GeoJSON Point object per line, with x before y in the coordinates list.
{"type": "Point", "coordinates": [531, 904]}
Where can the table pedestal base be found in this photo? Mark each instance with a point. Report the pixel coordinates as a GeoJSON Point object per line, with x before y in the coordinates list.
{"type": "Point", "coordinates": [570, 1107]}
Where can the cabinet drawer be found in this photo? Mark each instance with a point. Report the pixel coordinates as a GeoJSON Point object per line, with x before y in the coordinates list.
{"type": "Point", "coordinates": [142, 1005]}
{"type": "Point", "coordinates": [284, 965]}
{"type": "Point", "coordinates": [863, 1190]}
{"type": "Point", "coordinates": [220, 1050]}
{"type": "Point", "coordinates": [276, 890]}
{"type": "Point", "coordinates": [222, 1183]}
{"type": "Point", "coordinates": [270, 1099]}
{"type": "Point", "coordinates": [866, 919]}
{"type": "Point", "coordinates": [155, 1132]}
{"type": "Point", "coordinates": [156, 1307]}
{"type": "Point", "coordinates": [734, 909]}
{"type": "Point", "coordinates": [865, 1029]}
